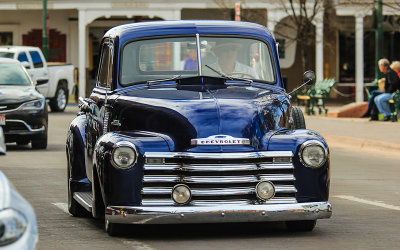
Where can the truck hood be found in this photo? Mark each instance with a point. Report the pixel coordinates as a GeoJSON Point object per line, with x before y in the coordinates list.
{"type": "Point", "coordinates": [237, 111]}
{"type": "Point", "coordinates": [18, 94]}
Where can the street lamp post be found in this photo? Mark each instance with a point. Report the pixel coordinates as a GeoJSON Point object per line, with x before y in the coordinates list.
{"type": "Point", "coordinates": [378, 35]}
{"type": "Point", "coordinates": [44, 32]}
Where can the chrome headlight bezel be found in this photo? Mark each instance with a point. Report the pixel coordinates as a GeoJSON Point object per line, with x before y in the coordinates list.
{"type": "Point", "coordinates": [14, 223]}
{"type": "Point", "coordinates": [130, 149]}
{"type": "Point", "coordinates": [313, 143]}
{"type": "Point", "coordinates": [33, 105]}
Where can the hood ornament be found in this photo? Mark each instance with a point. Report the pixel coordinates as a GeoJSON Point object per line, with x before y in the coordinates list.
{"type": "Point", "coordinates": [220, 140]}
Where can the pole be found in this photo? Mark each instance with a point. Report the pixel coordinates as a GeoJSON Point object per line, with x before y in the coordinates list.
{"type": "Point", "coordinates": [44, 30]}
{"type": "Point", "coordinates": [378, 35]}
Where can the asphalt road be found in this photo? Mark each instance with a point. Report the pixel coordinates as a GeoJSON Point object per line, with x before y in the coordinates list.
{"type": "Point", "coordinates": [365, 194]}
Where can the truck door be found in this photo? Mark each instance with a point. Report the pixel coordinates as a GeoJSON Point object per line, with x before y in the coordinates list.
{"type": "Point", "coordinates": [97, 119]}
{"type": "Point", "coordinates": [39, 72]}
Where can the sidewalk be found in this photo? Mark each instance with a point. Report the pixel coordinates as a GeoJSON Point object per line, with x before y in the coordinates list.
{"type": "Point", "coordinates": [357, 133]}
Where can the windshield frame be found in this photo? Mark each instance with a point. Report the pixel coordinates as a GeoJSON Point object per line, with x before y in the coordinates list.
{"type": "Point", "coordinates": [197, 37]}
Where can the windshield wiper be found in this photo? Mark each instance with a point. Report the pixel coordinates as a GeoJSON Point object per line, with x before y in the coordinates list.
{"type": "Point", "coordinates": [229, 77]}
{"type": "Point", "coordinates": [218, 72]}
{"type": "Point", "coordinates": [163, 80]}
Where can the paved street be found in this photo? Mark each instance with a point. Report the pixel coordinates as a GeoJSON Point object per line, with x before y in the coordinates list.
{"type": "Point", "coordinates": [365, 193]}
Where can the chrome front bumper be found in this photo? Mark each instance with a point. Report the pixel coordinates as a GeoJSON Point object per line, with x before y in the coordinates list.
{"type": "Point", "coordinates": [218, 214]}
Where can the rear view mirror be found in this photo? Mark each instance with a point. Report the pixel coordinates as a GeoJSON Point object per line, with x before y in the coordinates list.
{"type": "Point", "coordinates": [309, 78]}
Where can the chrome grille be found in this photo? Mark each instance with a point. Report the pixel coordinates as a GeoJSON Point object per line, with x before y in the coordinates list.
{"type": "Point", "coordinates": [217, 178]}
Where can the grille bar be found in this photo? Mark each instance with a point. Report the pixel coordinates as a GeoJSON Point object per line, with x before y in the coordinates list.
{"type": "Point", "coordinates": [216, 168]}
{"type": "Point", "coordinates": [169, 202]}
{"type": "Point", "coordinates": [216, 179]}
{"type": "Point", "coordinates": [215, 191]}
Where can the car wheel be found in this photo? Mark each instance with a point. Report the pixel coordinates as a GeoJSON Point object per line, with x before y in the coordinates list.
{"type": "Point", "coordinates": [298, 118]}
{"type": "Point", "coordinates": [113, 229]}
{"type": "Point", "coordinates": [39, 142]}
{"type": "Point", "coordinates": [60, 100]}
{"type": "Point", "coordinates": [301, 225]}
{"type": "Point", "coordinates": [98, 207]}
{"type": "Point", "coordinates": [74, 207]}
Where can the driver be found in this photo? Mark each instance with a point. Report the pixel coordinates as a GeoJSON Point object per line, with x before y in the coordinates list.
{"type": "Point", "coordinates": [226, 52]}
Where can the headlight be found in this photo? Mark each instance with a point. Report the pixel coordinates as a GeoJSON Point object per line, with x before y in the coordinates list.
{"type": "Point", "coordinates": [265, 190]}
{"type": "Point", "coordinates": [13, 224]}
{"type": "Point", "coordinates": [124, 155]}
{"type": "Point", "coordinates": [313, 154]}
{"type": "Point", "coordinates": [33, 105]}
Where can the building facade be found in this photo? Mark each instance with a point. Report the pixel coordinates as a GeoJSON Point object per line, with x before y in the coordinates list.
{"type": "Point", "coordinates": [342, 47]}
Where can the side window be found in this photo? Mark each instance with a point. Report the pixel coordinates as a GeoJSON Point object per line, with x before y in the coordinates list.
{"type": "Point", "coordinates": [104, 77]}
{"type": "Point", "coordinates": [22, 57]}
{"type": "Point", "coordinates": [36, 59]}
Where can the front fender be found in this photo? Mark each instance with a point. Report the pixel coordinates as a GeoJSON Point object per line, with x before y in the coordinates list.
{"type": "Point", "coordinates": [311, 184]}
{"type": "Point", "coordinates": [123, 187]}
{"type": "Point", "coordinates": [75, 149]}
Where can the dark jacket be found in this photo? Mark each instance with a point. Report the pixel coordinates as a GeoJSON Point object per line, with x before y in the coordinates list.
{"type": "Point", "coordinates": [392, 81]}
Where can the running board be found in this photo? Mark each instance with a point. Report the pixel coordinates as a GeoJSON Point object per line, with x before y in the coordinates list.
{"type": "Point", "coordinates": [84, 199]}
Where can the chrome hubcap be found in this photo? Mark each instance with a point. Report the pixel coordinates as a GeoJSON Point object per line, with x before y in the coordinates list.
{"type": "Point", "coordinates": [61, 99]}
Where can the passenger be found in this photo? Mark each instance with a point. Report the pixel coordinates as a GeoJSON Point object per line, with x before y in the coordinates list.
{"type": "Point", "coordinates": [226, 53]}
{"type": "Point", "coordinates": [392, 83]}
{"type": "Point", "coordinates": [190, 62]}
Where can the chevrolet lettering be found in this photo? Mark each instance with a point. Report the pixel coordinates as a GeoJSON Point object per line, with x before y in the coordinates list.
{"type": "Point", "coordinates": [189, 122]}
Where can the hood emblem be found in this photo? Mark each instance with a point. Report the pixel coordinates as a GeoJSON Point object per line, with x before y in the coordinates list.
{"type": "Point", "coordinates": [220, 140]}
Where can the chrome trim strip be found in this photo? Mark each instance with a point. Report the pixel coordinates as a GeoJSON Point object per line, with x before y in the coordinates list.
{"type": "Point", "coordinates": [198, 54]}
{"type": "Point", "coordinates": [216, 167]}
{"type": "Point", "coordinates": [216, 214]}
{"type": "Point", "coordinates": [216, 191]}
{"type": "Point", "coordinates": [217, 179]}
{"type": "Point", "coordinates": [170, 202]}
{"type": "Point", "coordinates": [190, 155]}
{"type": "Point", "coordinates": [27, 126]}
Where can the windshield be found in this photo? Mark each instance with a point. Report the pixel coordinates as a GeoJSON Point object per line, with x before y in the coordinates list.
{"type": "Point", "coordinates": [7, 54]}
{"type": "Point", "coordinates": [13, 74]}
{"type": "Point", "coordinates": [165, 58]}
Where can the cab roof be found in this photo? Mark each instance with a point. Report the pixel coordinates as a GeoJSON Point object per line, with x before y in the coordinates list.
{"type": "Point", "coordinates": [185, 27]}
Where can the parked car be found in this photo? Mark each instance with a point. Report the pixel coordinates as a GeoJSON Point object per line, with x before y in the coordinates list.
{"type": "Point", "coordinates": [219, 142]}
{"type": "Point", "coordinates": [23, 110]}
{"type": "Point", "coordinates": [18, 228]}
{"type": "Point", "coordinates": [55, 81]}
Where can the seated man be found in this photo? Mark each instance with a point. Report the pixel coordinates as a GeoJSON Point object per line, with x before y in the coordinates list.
{"type": "Point", "coordinates": [190, 62]}
{"type": "Point", "coordinates": [392, 83]}
{"type": "Point", "coordinates": [226, 52]}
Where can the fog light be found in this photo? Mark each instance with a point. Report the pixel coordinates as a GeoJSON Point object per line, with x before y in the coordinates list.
{"type": "Point", "coordinates": [181, 194]}
{"type": "Point", "coordinates": [265, 190]}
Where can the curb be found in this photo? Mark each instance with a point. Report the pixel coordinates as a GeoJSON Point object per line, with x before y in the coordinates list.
{"type": "Point", "coordinates": [363, 144]}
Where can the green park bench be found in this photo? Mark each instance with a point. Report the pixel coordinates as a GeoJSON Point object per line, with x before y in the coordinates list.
{"type": "Point", "coordinates": [316, 96]}
{"type": "Point", "coordinates": [394, 104]}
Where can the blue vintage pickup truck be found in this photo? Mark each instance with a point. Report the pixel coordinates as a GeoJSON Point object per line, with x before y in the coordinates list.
{"type": "Point", "coordinates": [189, 122]}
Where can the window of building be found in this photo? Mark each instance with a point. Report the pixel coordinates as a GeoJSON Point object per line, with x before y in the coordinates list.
{"type": "Point", "coordinates": [6, 38]}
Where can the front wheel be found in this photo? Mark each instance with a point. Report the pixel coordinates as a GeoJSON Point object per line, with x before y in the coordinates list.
{"type": "Point", "coordinates": [60, 100]}
{"type": "Point", "coordinates": [113, 229]}
{"type": "Point", "coordinates": [301, 225]}
{"type": "Point", "coordinates": [39, 142]}
{"type": "Point", "coordinates": [298, 118]}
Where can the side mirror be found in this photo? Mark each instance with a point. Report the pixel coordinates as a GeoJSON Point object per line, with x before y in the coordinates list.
{"type": "Point", "coordinates": [309, 78]}
{"type": "Point", "coordinates": [26, 64]}
{"type": "Point", "coordinates": [84, 104]}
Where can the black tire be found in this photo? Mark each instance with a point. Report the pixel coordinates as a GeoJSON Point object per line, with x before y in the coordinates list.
{"type": "Point", "coordinates": [301, 225]}
{"type": "Point", "coordinates": [113, 229]}
{"type": "Point", "coordinates": [59, 102]}
{"type": "Point", "coordinates": [74, 207]}
{"type": "Point", "coordinates": [98, 208]}
{"type": "Point", "coordinates": [298, 118]}
{"type": "Point", "coordinates": [39, 142]}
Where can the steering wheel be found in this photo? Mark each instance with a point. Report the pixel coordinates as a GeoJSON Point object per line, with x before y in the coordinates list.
{"type": "Point", "coordinates": [241, 73]}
